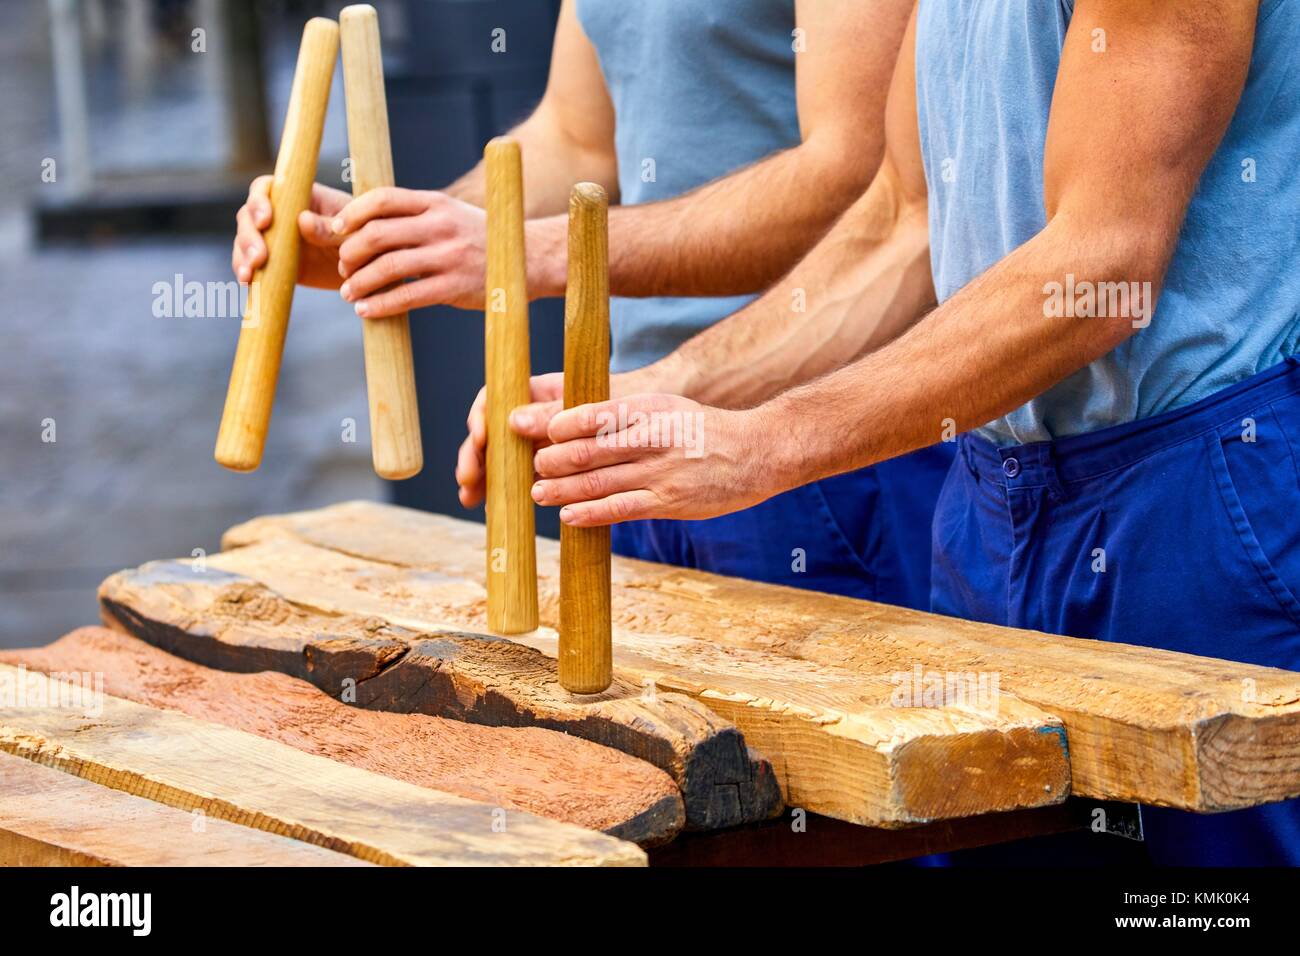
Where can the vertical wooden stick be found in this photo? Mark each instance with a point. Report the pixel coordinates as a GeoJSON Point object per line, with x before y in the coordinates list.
{"type": "Point", "coordinates": [261, 336]}
{"type": "Point", "coordinates": [586, 649]}
{"type": "Point", "coordinates": [390, 370]}
{"type": "Point", "coordinates": [511, 543]}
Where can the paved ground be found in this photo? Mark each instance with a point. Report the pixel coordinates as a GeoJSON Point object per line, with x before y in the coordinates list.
{"type": "Point", "coordinates": [135, 399]}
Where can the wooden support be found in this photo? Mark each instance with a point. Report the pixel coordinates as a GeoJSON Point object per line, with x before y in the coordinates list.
{"type": "Point", "coordinates": [511, 555]}
{"type": "Point", "coordinates": [390, 369]}
{"type": "Point", "coordinates": [553, 775]}
{"type": "Point", "coordinates": [586, 655]}
{"type": "Point", "coordinates": [837, 742]}
{"type": "Point", "coordinates": [232, 622]}
{"type": "Point", "coordinates": [253, 376]}
{"type": "Point", "coordinates": [229, 775]}
{"type": "Point", "coordinates": [1144, 725]}
{"type": "Point", "coordinates": [48, 818]}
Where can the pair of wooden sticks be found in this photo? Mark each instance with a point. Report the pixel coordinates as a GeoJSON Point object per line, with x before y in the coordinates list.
{"type": "Point", "coordinates": [390, 370]}
{"type": "Point", "coordinates": [585, 653]}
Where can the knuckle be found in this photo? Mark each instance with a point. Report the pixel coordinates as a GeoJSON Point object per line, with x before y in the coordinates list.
{"type": "Point", "coordinates": [590, 484]}
{"type": "Point", "coordinates": [581, 454]}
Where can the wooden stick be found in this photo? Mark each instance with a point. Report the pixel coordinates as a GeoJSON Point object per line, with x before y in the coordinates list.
{"type": "Point", "coordinates": [586, 649]}
{"type": "Point", "coordinates": [390, 370]}
{"type": "Point", "coordinates": [511, 545]}
{"type": "Point", "coordinates": [261, 337]}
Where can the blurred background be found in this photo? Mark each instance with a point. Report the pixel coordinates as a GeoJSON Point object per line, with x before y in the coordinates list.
{"type": "Point", "coordinates": [132, 128]}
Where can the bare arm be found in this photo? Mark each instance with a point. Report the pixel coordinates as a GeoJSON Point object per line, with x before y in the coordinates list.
{"type": "Point", "coordinates": [740, 233]}
{"type": "Point", "coordinates": [861, 286]}
{"type": "Point", "coordinates": [569, 137]}
{"type": "Point", "coordinates": [1113, 215]}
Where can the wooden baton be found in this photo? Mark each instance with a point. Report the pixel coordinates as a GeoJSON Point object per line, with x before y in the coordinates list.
{"type": "Point", "coordinates": [511, 541]}
{"type": "Point", "coordinates": [390, 370]}
{"type": "Point", "coordinates": [261, 336]}
{"type": "Point", "coordinates": [586, 646]}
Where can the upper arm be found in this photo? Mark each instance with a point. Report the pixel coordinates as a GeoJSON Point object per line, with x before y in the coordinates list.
{"type": "Point", "coordinates": [576, 103]}
{"type": "Point", "coordinates": [842, 73]}
{"type": "Point", "coordinates": [903, 170]}
{"type": "Point", "coordinates": [1145, 91]}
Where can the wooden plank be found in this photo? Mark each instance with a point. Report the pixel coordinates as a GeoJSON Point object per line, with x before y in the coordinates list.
{"type": "Point", "coordinates": [231, 622]}
{"type": "Point", "coordinates": [191, 764]}
{"type": "Point", "coordinates": [48, 818]}
{"type": "Point", "coordinates": [550, 774]}
{"type": "Point", "coordinates": [1143, 725]}
{"type": "Point", "coordinates": [838, 743]}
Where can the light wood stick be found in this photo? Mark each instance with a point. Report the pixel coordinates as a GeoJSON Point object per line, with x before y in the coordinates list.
{"type": "Point", "coordinates": [585, 645]}
{"type": "Point", "coordinates": [266, 320]}
{"type": "Point", "coordinates": [511, 545]}
{"type": "Point", "coordinates": [390, 370]}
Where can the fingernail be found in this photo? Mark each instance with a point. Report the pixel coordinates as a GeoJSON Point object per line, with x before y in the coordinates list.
{"type": "Point", "coordinates": [539, 491]}
{"type": "Point", "coordinates": [345, 290]}
{"type": "Point", "coordinates": [566, 514]}
{"type": "Point", "coordinates": [337, 224]}
{"type": "Point", "coordinates": [243, 274]}
{"type": "Point", "coordinates": [363, 309]}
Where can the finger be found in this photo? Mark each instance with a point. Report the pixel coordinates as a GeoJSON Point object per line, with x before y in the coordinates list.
{"type": "Point", "coordinates": [403, 297]}
{"type": "Point", "coordinates": [592, 485]}
{"type": "Point", "coordinates": [532, 420]}
{"type": "Point", "coordinates": [250, 248]}
{"type": "Point", "coordinates": [259, 201]}
{"type": "Point", "coordinates": [584, 454]}
{"type": "Point", "coordinates": [624, 506]}
{"type": "Point", "coordinates": [384, 202]}
{"type": "Point", "coordinates": [470, 473]}
{"type": "Point", "coordinates": [316, 230]}
{"type": "Point", "coordinates": [582, 421]}
{"type": "Point", "coordinates": [328, 201]}
{"type": "Point", "coordinates": [476, 421]}
{"type": "Point", "coordinates": [395, 266]}
{"type": "Point", "coordinates": [375, 238]}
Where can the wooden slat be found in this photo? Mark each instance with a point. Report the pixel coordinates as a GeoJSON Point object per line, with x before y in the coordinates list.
{"type": "Point", "coordinates": [1143, 725]}
{"type": "Point", "coordinates": [837, 741]}
{"type": "Point", "coordinates": [229, 775]}
{"type": "Point", "coordinates": [48, 818]}
{"type": "Point", "coordinates": [553, 775]}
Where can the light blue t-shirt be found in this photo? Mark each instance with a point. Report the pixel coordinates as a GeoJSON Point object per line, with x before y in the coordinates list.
{"type": "Point", "coordinates": [1230, 306]}
{"type": "Point", "coordinates": [700, 88]}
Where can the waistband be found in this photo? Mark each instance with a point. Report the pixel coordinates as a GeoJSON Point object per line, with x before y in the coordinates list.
{"type": "Point", "coordinates": [1079, 457]}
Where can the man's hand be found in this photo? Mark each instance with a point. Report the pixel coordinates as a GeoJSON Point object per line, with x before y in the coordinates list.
{"type": "Point", "coordinates": [318, 263]}
{"type": "Point", "coordinates": [653, 456]}
{"type": "Point", "coordinates": [404, 249]}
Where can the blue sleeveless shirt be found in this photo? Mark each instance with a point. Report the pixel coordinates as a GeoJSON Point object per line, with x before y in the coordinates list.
{"type": "Point", "coordinates": [1230, 306]}
{"type": "Point", "coordinates": [700, 88]}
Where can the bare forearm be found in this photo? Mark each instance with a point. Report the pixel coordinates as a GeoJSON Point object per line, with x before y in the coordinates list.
{"type": "Point", "coordinates": [865, 283]}
{"type": "Point", "coordinates": [983, 353]}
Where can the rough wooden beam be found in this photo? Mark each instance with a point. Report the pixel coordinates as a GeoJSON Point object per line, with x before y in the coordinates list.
{"type": "Point", "coordinates": [552, 775]}
{"type": "Point", "coordinates": [839, 744]}
{"type": "Point", "coordinates": [1143, 725]}
{"type": "Point", "coordinates": [48, 818]}
{"type": "Point", "coordinates": [229, 775]}
{"type": "Point", "coordinates": [231, 622]}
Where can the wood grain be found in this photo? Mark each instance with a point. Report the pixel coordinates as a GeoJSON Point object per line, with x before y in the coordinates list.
{"type": "Point", "coordinates": [511, 557]}
{"type": "Point", "coordinates": [251, 394]}
{"type": "Point", "coordinates": [48, 818]}
{"type": "Point", "coordinates": [585, 653]}
{"type": "Point", "coordinates": [390, 369]}
{"type": "Point", "coordinates": [550, 774]}
{"type": "Point", "coordinates": [1144, 725]}
{"type": "Point", "coordinates": [838, 744]}
{"type": "Point", "coordinates": [191, 764]}
{"type": "Point", "coordinates": [228, 621]}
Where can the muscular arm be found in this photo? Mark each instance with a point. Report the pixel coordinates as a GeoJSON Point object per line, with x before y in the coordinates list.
{"type": "Point", "coordinates": [739, 233]}
{"type": "Point", "coordinates": [1130, 132]}
{"type": "Point", "coordinates": [862, 285]}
